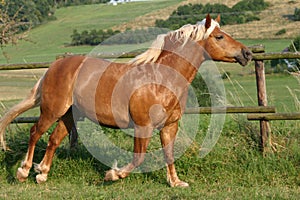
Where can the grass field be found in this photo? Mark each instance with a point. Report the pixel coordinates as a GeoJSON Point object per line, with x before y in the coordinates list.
{"type": "Point", "coordinates": [234, 169]}
{"type": "Point", "coordinates": [49, 40]}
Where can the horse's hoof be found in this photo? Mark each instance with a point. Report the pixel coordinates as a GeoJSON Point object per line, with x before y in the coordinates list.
{"type": "Point", "coordinates": [21, 174]}
{"type": "Point", "coordinates": [41, 178]}
{"type": "Point", "coordinates": [179, 184]}
{"type": "Point", "coordinates": [111, 175]}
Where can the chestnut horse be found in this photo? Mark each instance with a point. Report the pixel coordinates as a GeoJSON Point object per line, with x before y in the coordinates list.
{"type": "Point", "coordinates": [147, 93]}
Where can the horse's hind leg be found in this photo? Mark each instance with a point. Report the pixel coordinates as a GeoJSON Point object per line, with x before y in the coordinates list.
{"type": "Point", "coordinates": [36, 132]}
{"type": "Point", "coordinates": [142, 137]}
{"type": "Point", "coordinates": [63, 127]}
{"type": "Point", "coordinates": [167, 136]}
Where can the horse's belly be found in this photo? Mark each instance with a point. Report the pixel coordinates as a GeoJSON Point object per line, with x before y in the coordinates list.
{"type": "Point", "coordinates": [92, 95]}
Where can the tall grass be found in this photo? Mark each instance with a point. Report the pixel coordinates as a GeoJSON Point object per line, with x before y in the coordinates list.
{"type": "Point", "coordinates": [234, 169]}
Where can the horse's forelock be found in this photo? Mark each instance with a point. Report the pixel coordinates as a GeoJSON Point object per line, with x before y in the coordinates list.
{"type": "Point", "coordinates": [213, 25]}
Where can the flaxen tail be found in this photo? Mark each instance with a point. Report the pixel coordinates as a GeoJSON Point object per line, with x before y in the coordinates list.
{"type": "Point", "coordinates": [31, 101]}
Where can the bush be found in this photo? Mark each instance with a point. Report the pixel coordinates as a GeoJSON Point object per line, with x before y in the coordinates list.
{"type": "Point", "coordinates": [297, 14]}
{"type": "Point", "coordinates": [135, 36]}
{"type": "Point", "coordinates": [242, 12]}
{"type": "Point", "coordinates": [295, 46]}
{"type": "Point", "coordinates": [250, 5]}
{"type": "Point", "coordinates": [109, 36]}
{"type": "Point", "coordinates": [92, 37]}
{"type": "Point", "coordinates": [281, 32]}
{"type": "Point", "coordinates": [64, 3]}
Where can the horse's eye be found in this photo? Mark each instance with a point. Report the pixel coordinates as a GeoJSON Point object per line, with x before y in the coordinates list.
{"type": "Point", "coordinates": [219, 37]}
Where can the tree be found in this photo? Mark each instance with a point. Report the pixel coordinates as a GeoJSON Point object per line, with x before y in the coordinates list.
{"type": "Point", "coordinates": [10, 25]}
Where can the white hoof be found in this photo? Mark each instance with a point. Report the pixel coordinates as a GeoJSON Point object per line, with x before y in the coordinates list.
{"type": "Point", "coordinates": [41, 178]}
{"type": "Point", "coordinates": [179, 184]}
{"type": "Point", "coordinates": [111, 175]}
{"type": "Point", "coordinates": [22, 174]}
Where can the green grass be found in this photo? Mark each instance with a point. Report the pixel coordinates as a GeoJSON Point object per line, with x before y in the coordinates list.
{"type": "Point", "coordinates": [235, 169]}
{"type": "Point", "coordinates": [271, 45]}
{"type": "Point", "coordinates": [49, 40]}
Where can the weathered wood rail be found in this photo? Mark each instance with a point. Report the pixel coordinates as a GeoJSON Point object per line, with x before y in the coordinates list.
{"type": "Point", "coordinates": [230, 110]}
{"type": "Point", "coordinates": [258, 55]}
{"type": "Point", "coordinates": [194, 110]}
{"type": "Point", "coordinates": [274, 116]}
{"type": "Point", "coordinates": [25, 66]}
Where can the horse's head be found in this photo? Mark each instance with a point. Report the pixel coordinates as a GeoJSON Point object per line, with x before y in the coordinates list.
{"type": "Point", "coordinates": [221, 47]}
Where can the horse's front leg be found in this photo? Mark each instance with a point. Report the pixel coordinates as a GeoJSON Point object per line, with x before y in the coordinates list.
{"type": "Point", "coordinates": [142, 137]}
{"type": "Point", "coordinates": [167, 136]}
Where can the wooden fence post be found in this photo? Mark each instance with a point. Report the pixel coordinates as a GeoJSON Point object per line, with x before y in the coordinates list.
{"type": "Point", "coordinates": [265, 129]}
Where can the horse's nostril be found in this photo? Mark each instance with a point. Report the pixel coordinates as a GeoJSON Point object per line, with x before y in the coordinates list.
{"type": "Point", "coordinates": [247, 54]}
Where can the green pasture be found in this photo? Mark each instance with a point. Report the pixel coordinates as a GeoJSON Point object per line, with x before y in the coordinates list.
{"type": "Point", "coordinates": [234, 169]}
{"type": "Point", "coordinates": [48, 40]}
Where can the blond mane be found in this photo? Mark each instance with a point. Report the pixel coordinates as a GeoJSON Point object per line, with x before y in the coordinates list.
{"type": "Point", "coordinates": [195, 32]}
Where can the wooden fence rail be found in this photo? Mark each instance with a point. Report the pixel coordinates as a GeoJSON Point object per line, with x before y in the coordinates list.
{"type": "Point", "coordinates": [274, 116]}
{"type": "Point", "coordinates": [194, 110]}
{"type": "Point", "coordinates": [25, 66]}
{"type": "Point", "coordinates": [256, 56]}
{"type": "Point", "coordinates": [228, 110]}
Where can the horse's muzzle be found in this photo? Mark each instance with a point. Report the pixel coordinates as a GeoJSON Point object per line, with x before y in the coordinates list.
{"type": "Point", "coordinates": [244, 57]}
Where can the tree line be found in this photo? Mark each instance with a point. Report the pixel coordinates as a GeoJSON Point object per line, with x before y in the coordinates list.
{"type": "Point", "coordinates": [186, 14]}
{"type": "Point", "coordinates": [108, 37]}
{"type": "Point", "coordinates": [242, 12]}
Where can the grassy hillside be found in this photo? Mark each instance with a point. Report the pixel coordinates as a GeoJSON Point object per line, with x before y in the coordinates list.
{"type": "Point", "coordinates": [50, 39]}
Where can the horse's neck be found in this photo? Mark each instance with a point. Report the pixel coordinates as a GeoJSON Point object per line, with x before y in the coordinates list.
{"type": "Point", "coordinates": [184, 59]}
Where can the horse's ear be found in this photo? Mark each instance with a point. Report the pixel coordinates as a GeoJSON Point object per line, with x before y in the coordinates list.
{"type": "Point", "coordinates": [218, 19]}
{"type": "Point", "coordinates": [207, 21]}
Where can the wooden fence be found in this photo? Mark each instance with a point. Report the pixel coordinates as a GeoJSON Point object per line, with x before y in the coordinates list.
{"type": "Point", "coordinates": [259, 56]}
{"type": "Point", "coordinates": [262, 112]}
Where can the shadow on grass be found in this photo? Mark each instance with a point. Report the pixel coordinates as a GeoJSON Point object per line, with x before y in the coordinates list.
{"type": "Point", "coordinates": [67, 160]}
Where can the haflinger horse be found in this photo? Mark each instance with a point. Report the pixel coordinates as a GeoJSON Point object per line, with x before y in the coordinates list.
{"type": "Point", "coordinates": [146, 93]}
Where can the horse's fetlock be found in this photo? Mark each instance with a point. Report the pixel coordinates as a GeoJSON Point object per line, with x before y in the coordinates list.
{"type": "Point", "coordinates": [40, 168]}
